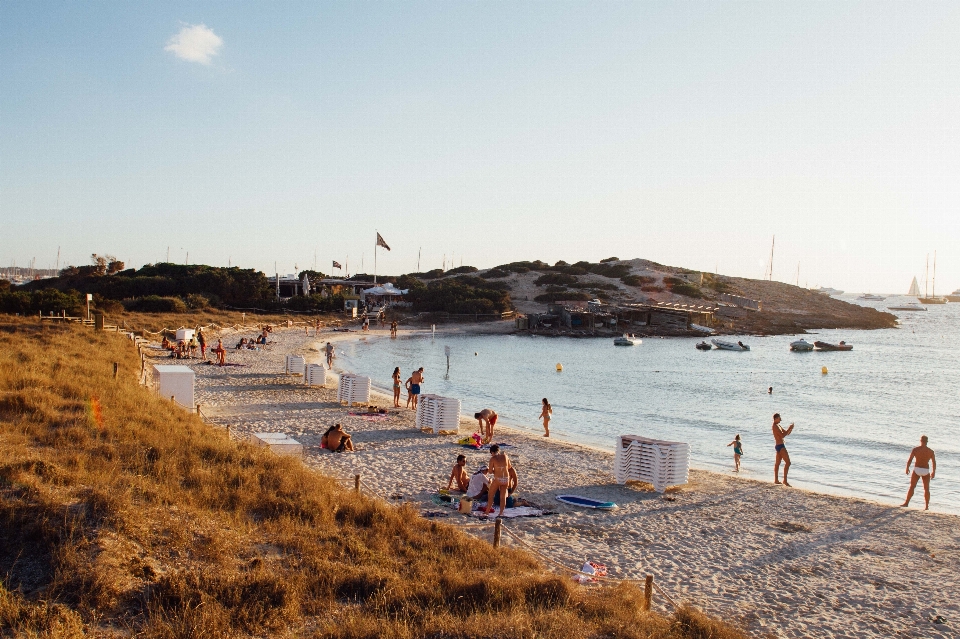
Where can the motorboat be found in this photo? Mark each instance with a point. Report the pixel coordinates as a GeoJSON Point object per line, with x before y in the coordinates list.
{"type": "Point", "coordinates": [626, 340]}
{"type": "Point", "coordinates": [954, 297]}
{"type": "Point", "coordinates": [724, 345]}
{"type": "Point", "coordinates": [827, 346]}
{"type": "Point", "coordinates": [908, 306]}
{"type": "Point", "coordinates": [826, 290]}
{"type": "Point", "coordinates": [801, 346]}
{"type": "Point", "coordinates": [703, 346]}
{"type": "Point", "coordinates": [870, 297]}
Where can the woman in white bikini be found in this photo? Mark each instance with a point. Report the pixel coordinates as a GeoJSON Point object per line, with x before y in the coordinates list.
{"type": "Point", "coordinates": [545, 416]}
{"type": "Point", "coordinates": [396, 387]}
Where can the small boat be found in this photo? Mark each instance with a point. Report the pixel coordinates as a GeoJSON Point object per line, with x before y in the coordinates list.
{"type": "Point", "coordinates": [625, 340]}
{"type": "Point", "coordinates": [909, 306]}
{"type": "Point", "coordinates": [586, 502]}
{"type": "Point", "coordinates": [724, 345]}
{"type": "Point", "coordinates": [801, 346]}
{"type": "Point", "coordinates": [703, 346]}
{"type": "Point", "coordinates": [826, 290]}
{"type": "Point", "coordinates": [827, 346]}
{"type": "Point", "coordinates": [954, 297]}
{"type": "Point", "coordinates": [870, 297]}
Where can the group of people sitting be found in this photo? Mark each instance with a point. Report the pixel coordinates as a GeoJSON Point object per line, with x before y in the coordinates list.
{"type": "Point", "coordinates": [253, 343]}
{"type": "Point", "coordinates": [181, 349]}
{"type": "Point", "coordinates": [496, 480]}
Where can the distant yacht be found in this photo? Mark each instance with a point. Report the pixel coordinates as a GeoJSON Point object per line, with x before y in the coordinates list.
{"type": "Point", "coordinates": [933, 299]}
{"type": "Point", "coordinates": [909, 306]}
{"type": "Point", "coordinates": [914, 289]}
{"type": "Point", "coordinates": [870, 297]}
{"type": "Point", "coordinates": [954, 297]}
{"type": "Point", "coordinates": [824, 290]}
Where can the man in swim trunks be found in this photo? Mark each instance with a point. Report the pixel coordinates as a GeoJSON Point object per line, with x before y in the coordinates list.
{"type": "Point", "coordinates": [487, 419]}
{"type": "Point", "coordinates": [329, 349]}
{"type": "Point", "coordinates": [459, 474]}
{"type": "Point", "coordinates": [338, 440]}
{"type": "Point", "coordinates": [921, 470]}
{"type": "Point", "coordinates": [500, 466]}
{"type": "Point", "coordinates": [413, 385]}
{"type": "Point", "coordinates": [782, 455]}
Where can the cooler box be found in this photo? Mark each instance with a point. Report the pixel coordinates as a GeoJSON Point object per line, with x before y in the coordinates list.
{"type": "Point", "coordinates": [175, 381]}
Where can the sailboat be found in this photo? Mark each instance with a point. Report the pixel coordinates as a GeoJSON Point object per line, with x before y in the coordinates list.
{"type": "Point", "coordinates": [910, 306]}
{"type": "Point", "coordinates": [934, 299]}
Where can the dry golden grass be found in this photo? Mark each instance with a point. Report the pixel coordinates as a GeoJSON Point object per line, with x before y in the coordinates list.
{"type": "Point", "coordinates": [157, 321]}
{"type": "Point", "coordinates": [122, 515]}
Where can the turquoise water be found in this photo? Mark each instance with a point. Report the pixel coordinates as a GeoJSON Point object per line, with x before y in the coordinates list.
{"type": "Point", "coordinates": [854, 430]}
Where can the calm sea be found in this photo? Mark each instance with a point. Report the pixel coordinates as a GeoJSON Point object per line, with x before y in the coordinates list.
{"type": "Point", "coordinates": [855, 425]}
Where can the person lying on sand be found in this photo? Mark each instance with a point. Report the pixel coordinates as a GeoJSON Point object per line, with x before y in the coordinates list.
{"type": "Point", "coordinates": [479, 481]}
{"type": "Point", "coordinates": [500, 466]}
{"type": "Point", "coordinates": [337, 440]}
{"type": "Point", "coordinates": [487, 419]}
{"type": "Point", "coordinates": [925, 458]}
{"type": "Point", "coordinates": [459, 475]}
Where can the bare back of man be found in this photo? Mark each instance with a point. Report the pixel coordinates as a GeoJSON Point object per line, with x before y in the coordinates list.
{"type": "Point", "coordinates": [924, 468]}
{"type": "Point", "coordinates": [782, 455]}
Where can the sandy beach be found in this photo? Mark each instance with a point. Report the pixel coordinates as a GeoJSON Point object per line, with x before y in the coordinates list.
{"type": "Point", "coordinates": [779, 562]}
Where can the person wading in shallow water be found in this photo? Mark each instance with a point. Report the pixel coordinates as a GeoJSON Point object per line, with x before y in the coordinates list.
{"type": "Point", "coordinates": [922, 469]}
{"type": "Point", "coordinates": [782, 455]}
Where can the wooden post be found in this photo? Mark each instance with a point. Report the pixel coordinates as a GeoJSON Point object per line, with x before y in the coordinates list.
{"type": "Point", "coordinates": [356, 483]}
{"type": "Point", "coordinates": [116, 369]}
{"type": "Point", "coordinates": [648, 592]}
{"type": "Point", "coordinates": [198, 411]}
{"type": "Point", "coordinates": [173, 398]}
{"type": "Point", "coordinates": [497, 532]}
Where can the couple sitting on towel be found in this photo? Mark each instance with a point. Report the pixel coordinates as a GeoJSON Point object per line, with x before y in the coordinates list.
{"type": "Point", "coordinates": [336, 440]}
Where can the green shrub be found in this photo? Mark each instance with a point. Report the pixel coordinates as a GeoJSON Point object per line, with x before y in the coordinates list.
{"type": "Point", "coordinates": [547, 298]}
{"type": "Point", "coordinates": [556, 279]}
{"type": "Point", "coordinates": [462, 269]}
{"type": "Point", "coordinates": [195, 301]}
{"type": "Point", "coordinates": [637, 280]}
{"type": "Point", "coordinates": [155, 304]}
{"type": "Point", "coordinates": [610, 259]}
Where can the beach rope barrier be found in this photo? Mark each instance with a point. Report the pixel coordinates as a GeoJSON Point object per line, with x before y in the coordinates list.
{"type": "Point", "coordinates": [562, 566]}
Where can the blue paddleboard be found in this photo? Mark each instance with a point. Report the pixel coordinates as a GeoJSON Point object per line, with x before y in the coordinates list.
{"type": "Point", "coordinates": [586, 502]}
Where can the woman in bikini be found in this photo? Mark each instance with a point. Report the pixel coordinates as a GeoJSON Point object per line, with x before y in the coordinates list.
{"type": "Point", "coordinates": [396, 387]}
{"type": "Point", "coordinates": [500, 466]}
{"type": "Point", "coordinates": [737, 451]}
{"type": "Point", "coordinates": [545, 416]}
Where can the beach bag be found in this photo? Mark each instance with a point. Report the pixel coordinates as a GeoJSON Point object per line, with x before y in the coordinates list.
{"type": "Point", "coordinates": [466, 505]}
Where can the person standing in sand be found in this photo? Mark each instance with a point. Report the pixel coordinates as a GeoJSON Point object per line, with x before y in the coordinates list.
{"type": "Point", "coordinates": [413, 387]}
{"type": "Point", "coordinates": [459, 475]}
{"type": "Point", "coordinates": [396, 387]}
{"type": "Point", "coordinates": [925, 458]}
{"type": "Point", "coordinates": [202, 340]}
{"type": "Point", "coordinates": [738, 451]}
{"type": "Point", "coordinates": [487, 419]}
{"type": "Point", "coordinates": [545, 416]}
{"type": "Point", "coordinates": [329, 351]}
{"type": "Point", "coordinates": [221, 353]}
{"type": "Point", "coordinates": [500, 467]}
{"type": "Point", "coordinates": [782, 455]}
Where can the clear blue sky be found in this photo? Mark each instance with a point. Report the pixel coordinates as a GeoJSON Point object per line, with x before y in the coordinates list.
{"type": "Point", "coordinates": [688, 133]}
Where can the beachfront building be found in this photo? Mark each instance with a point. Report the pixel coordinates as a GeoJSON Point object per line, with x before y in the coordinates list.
{"type": "Point", "coordinates": [382, 296]}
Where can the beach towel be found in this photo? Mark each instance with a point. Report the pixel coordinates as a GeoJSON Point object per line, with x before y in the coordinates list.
{"type": "Point", "coordinates": [508, 513]}
{"type": "Point", "coordinates": [591, 568]}
{"type": "Point", "coordinates": [372, 417]}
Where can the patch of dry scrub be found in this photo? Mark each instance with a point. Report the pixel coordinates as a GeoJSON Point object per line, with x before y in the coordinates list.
{"type": "Point", "coordinates": [123, 515]}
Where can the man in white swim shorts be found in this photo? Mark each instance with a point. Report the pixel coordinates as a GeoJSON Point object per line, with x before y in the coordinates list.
{"type": "Point", "coordinates": [925, 468]}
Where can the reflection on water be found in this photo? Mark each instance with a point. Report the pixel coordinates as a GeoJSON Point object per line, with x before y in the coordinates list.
{"type": "Point", "coordinates": [854, 426]}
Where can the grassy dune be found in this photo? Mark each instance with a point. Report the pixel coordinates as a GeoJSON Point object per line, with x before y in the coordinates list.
{"type": "Point", "coordinates": [121, 515]}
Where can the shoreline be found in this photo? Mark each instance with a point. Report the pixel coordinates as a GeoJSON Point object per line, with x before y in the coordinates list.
{"type": "Point", "coordinates": [776, 561]}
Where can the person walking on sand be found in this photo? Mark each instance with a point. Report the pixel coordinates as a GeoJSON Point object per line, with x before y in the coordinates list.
{"type": "Point", "coordinates": [925, 468]}
{"type": "Point", "coordinates": [202, 340]}
{"type": "Point", "coordinates": [396, 387]}
{"type": "Point", "coordinates": [500, 467]}
{"type": "Point", "coordinates": [459, 474]}
{"type": "Point", "coordinates": [545, 416]}
{"type": "Point", "coordinates": [782, 455]}
{"type": "Point", "coordinates": [329, 351]}
{"type": "Point", "coordinates": [738, 451]}
{"type": "Point", "coordinates": [487, 419]}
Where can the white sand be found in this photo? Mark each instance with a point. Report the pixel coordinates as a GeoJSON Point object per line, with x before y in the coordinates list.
{"type": "Point", "coordinates": [779, 562]}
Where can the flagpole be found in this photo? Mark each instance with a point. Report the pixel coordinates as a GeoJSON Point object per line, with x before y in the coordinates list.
{"type": "Point", "coordinates": [375, 258]}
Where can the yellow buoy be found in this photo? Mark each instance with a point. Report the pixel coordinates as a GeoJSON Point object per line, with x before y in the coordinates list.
{"type": "Point", "coordinates": [823, 370]}
{"type": "Point", "coordinates": [559, 367]}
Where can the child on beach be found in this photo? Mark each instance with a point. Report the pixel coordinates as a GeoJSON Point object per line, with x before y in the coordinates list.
{"type": "Point", "coordinates": [737, 451]}
{"type": "Point", "coordinates": [545, 416]}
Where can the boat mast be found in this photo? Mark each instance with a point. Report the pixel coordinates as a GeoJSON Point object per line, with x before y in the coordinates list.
{"type": "Point", "coordinates": [772, 244]}
{"type": "Point", "coordinates": [926, 278]}
{"type": "Point", "coordinates": [934, 273]}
